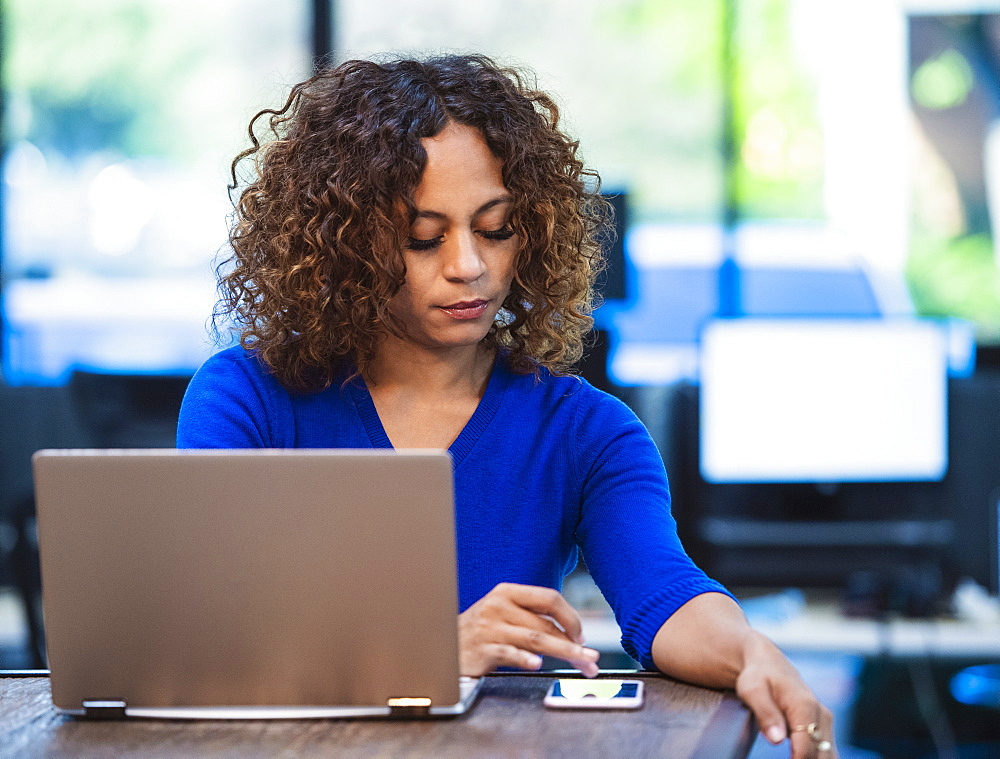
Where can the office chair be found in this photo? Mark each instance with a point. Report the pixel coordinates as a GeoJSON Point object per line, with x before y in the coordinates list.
{"type": "Point", "coordinates": [31, 418]}
{"type": "Point", "coordinates": [129, 410]}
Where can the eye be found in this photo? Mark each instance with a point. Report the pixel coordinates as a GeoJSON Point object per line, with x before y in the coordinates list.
{"type": "Point", "coordinates": [504, 233]}
{"type": "Point", "coordinates": [413, 243]}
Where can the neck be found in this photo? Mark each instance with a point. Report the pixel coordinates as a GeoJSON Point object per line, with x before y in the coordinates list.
{"type": "Point", "coordinates": [399, 364]}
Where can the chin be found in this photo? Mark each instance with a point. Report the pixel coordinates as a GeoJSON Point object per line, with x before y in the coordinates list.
{"type": "Point", "coordinates": [469, 339]}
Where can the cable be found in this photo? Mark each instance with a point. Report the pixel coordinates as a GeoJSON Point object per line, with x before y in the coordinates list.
{"type": "Point", "coordinates": [929, 705]}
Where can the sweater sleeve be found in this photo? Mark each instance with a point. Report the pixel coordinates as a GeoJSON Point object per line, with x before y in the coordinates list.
{"type": "Point", "coordinates": [627, 533]}
{"type": "Point", "coordinates": [232, 402]}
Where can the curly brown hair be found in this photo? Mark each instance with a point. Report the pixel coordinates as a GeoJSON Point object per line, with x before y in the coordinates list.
{"type": "Point", "coordinates": [320, 225]}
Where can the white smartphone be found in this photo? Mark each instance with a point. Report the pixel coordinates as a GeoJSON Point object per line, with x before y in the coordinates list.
{"type": "Point", "coordinates": [580, 693]}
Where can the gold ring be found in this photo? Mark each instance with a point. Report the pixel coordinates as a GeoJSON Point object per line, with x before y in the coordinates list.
{"type": "Point", "coordinates": [812, 730]}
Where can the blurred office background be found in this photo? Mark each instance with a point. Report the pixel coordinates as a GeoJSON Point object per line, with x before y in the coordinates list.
{"type": "Point", "coordinates": [824, 176]}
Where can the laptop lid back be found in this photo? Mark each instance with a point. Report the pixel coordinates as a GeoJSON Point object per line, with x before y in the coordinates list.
{"type": "Point", "coordinates": [248, 578]}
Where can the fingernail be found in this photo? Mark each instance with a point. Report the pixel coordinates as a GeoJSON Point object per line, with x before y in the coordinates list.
{"type": "Point", "coordinates": [590, 653]}
{"type": "Point", "coordinates": [534, 661]}
{"type": "Point", "coordinates": [775, 734]}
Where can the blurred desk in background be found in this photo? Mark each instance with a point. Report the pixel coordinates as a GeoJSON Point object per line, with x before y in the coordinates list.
{"type": "Point", "coordinates": [127, 325]}
{"type": "Point", "coordinates": [820, 626]}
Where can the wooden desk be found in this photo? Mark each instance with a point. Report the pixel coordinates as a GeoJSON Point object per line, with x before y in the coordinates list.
{"type": "Point", "coordinates": [677, 720]}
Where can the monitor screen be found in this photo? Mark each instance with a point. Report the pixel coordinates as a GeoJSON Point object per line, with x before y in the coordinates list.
{"type": "Point", "coordinates": [612, 282]}
{"type": "Point", "coordinates": [823, 401]}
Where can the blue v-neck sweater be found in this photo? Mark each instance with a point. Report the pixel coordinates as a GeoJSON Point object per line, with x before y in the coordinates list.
{"type": "Point", "coordinates": [544, 466]}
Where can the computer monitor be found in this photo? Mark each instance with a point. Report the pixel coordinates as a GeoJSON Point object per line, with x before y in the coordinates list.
{"type": "Point", "coordinates": [823, 401]}
{"type": "Point", "coordinates": [612, 283]}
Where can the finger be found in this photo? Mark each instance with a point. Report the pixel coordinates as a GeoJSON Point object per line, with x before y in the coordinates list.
{"type": "Point", "coordinates": [512, 656]}
{"type": "Point", "coordinates": [810, 725]}
{"type": "Point", "coordinates": [813, 739]}
{"type": "Point", "coordinates": [485, 659]}
{"type": "Point", "coordinates": [817, 744]}
{"type": "Point", "coordinates": [823, 738]}
{"type": "Point", "coordinates": [539, 642]}
{"type": "Point", "coordinates": [523, 618]}
{"type": "Point", "coordinates": [803, 746]}
{"type": "Point", "coordinates": [549, 602]}
{"type": "Point", "coordinates": [490, 656]}
{"type": "Point", "coordinates": [826, 724]}
{"type": "Point", "coordinates": [501, 607]}
{"type": "Point", "coordinates": [758, 697]}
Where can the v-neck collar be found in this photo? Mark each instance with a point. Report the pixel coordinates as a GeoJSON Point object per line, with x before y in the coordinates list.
{"type": "Point", "coordinates": [467, 438]}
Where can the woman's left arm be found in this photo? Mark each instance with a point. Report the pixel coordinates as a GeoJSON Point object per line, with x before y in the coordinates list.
{"type": "Point", "coordinates": [708, 641]}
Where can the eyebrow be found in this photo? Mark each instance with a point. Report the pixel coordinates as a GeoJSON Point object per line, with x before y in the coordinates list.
{"type": "Point", "coordinates": [423, 214]}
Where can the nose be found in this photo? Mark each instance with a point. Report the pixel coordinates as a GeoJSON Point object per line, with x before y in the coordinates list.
{"type": "Point", "coordinates": [462, 260]}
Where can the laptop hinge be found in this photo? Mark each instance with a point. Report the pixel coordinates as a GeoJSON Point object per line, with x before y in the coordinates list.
{"type": "Point", "coordinates": [104, 709]}
{"type": "Point", "coordinates": [408, 707]}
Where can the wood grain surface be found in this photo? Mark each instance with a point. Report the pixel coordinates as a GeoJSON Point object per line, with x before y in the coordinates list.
{"type": "Point", "coordinates": [509, 720]}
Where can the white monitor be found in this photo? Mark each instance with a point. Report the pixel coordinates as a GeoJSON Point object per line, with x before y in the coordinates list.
{"type": "Point", "coordinates": [823, 401]}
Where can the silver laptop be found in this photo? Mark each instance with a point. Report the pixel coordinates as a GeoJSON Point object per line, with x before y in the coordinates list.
{"type": "Point", "coordinates": [250, 584]}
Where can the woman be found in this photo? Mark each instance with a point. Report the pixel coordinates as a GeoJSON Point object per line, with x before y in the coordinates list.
{"type": "Point", "coordinates": [413, 260]}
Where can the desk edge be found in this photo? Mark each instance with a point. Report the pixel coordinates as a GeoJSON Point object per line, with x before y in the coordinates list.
{"type": "Point", "coordinates": [726, 728]}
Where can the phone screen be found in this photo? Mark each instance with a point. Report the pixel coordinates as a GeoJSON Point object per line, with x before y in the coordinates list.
{"type": "Point", "coordinates": [594, 694]}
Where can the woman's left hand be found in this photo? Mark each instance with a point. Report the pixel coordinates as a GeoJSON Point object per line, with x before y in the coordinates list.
{"type": "Point", "coordinates": [783, 704]}
{"type": "Point", "coordinates": [709, 642]}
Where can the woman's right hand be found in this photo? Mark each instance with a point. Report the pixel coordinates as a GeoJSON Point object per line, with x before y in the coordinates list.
{"type": "Point", "coordinates": [515, 625]}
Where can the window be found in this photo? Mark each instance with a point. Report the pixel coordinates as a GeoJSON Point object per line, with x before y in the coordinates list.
{"type": "Point", "coordinates": [638, 81]}
{"type": "Point", "coordinates": [954, 81]}
{"type": "Point", "coordinates": [120, 120]}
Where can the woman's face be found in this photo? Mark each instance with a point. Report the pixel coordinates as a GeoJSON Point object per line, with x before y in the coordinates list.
{"type": "Point", "coordinates": [461, 249]}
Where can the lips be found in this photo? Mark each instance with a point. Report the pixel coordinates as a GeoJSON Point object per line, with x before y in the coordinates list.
{"type": "Point", "coordinates": [466, 309]}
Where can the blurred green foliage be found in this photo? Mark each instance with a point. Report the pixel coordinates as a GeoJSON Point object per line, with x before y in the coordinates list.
{"type": "Point", "coordinates": [957, 277]}
{"type": "Point", "coordinates": [164, 79]}
{"type": "Point", "coordinates": [779, 172]}
{"type": "Point", "coordinates": [690, 61]}
{"type": "Point", "coordinates": [90, 77]}
{"type": "Point", "coordinates": [943, 81]}
{"type": "Point", "coordinates": [779, 135]}
{"type": "Point", "coordinates": [119, 76]}
{"type": "Point", "coordinates": [656, 126]}
{"type": "Point", "coordinates": [144, 78]}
